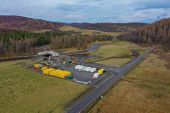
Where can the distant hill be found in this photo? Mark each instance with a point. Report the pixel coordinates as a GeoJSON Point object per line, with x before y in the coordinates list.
{"type": "Point", "coordinates": [10, 23]}
{"type": "Point", "coordinates": [156, 33]}
{"type": "Point", "coordinates": [109, 27]}
{"type": "Point", "coordinates": [26, 24]}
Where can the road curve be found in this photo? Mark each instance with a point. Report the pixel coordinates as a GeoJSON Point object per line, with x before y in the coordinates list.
{"type": "Point", "coordinates": [84, 103]}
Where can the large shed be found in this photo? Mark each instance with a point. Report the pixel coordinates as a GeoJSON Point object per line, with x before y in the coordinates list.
{"type": "Point", "coordinates": [48, 53]}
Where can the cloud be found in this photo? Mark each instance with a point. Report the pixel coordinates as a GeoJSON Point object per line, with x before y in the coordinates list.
{"type": "Point", "coordinates": [88, 10]}
{"type": "Point", "coordinates": [150, 4]}
{"type": "Point", "coordinates": [146, 15]}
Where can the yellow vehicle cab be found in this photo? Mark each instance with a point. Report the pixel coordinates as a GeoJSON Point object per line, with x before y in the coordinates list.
{"type": "Point", "coordinates": [100, 71]}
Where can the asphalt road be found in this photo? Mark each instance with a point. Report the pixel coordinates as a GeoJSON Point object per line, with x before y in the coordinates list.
{"type": "Point", "coordinates": [84, 103]}
{"type": "Point", "coordinates": [93, 47]}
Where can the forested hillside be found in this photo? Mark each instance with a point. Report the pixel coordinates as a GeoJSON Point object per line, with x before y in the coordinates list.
{"type": "Point", "coordinates": [20, 42]}
{"type": "Point", "coordinates": [156, 33]}
{"type": "Point", "coordinates": [27, 24]}
{"type": "Point", "coordinates": [109, 27]}
{"type": "Point", "coordinates": [12, 23]}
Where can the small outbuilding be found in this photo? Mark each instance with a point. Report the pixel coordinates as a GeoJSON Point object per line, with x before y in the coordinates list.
{"type": "Point", "coordinates": [48, 53]}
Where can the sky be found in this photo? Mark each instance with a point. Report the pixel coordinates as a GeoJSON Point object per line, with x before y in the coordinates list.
{"type": "Point", "coordinates": [93, 11]}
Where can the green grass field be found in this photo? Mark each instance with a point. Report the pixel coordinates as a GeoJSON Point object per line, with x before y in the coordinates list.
{"type": "Point", "coordinates": [144, 90]}
{"type": "Point", "coordinates": [119, 49]}
{"type": "Point", "coordinates": [115, 61]}
{"type": "Point", "coordinates": [23, 91]}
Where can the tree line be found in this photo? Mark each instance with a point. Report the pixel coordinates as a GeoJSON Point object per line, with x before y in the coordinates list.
{"type": "Point", "coordinates": [156, 33]}
{"type": "Point", "coordinates": [20, 42]}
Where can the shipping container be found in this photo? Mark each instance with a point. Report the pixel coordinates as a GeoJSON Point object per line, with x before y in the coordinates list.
{"type": "Point", "coordinates": [60, 73]}
{"type": "Point", "coordinates": [47, 71]}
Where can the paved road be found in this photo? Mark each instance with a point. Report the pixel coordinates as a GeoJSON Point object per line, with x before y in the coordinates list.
{"type": "Point", "coordinates": [97, 91]}
{"type": "Point", "coordinates": [93, 47]}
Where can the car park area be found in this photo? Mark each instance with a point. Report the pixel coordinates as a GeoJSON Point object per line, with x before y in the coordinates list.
{"type": "Point", "coordinates": [73, 68]}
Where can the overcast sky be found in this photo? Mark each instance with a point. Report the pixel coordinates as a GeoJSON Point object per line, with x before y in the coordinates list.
{"type": "Point", "coordinates": [88, 10]}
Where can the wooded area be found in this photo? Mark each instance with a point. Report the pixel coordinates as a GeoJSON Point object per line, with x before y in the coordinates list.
{"type": "Point", "coordinates": [156, 33]}
{"type": "Point", "coordinates": [20, 42]}
{"type": "Point", "coordinates": [109, 27]}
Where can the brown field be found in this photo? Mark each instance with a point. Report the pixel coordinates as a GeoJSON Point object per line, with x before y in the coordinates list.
{"type": "Point", "coordinates": [88, 32]}
{"type": "Point", "coordinates": [144, 90]}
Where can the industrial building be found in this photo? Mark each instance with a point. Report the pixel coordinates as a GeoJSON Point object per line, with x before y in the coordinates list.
{"type": "Point", "coordinates": [68, 67]}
